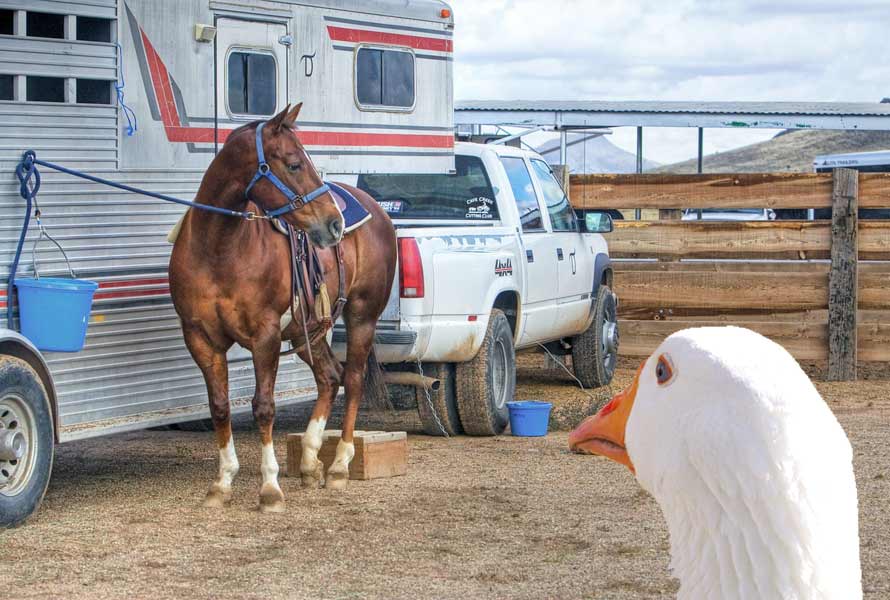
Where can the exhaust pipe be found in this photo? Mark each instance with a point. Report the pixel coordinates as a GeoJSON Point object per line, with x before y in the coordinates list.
{"type": "Point", "coordinates": [415, 379]}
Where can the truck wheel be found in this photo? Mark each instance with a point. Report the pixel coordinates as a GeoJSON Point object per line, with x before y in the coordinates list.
{"type": "Point", "coordinates": [26, 441]}
{"type": "Point", "coordinates": [595, 352]}
{"type": "Point", "coordinates": [487, 382]}
{"type": "Point", "coordinates": [443, 402]}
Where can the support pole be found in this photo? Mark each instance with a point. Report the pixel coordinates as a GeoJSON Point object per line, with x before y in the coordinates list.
{"type": "Point", "coordinates": [843, 276]}
{"type": "Point", "coordinates": [563, 135]}
{"type": "Point", "coordinates": [701, 147]}
{"type": "Point", "coordinates": [638, 214]}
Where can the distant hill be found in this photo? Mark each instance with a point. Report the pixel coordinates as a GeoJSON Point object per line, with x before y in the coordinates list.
{"type": "Point", "coordinates": [791, 151]}
{"type": "Point", "coordinates": [593, 154]}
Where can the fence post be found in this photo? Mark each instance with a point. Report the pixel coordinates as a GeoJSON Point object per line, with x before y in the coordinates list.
{"type": "Point", "coordinates": [843, 276]}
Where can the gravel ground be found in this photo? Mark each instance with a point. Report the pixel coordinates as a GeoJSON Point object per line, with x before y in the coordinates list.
{"type": "Point", "coordinates": [474, 517]}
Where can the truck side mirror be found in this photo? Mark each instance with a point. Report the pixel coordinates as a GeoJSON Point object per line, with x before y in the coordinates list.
{"type": "Point", "coordinates": [597, 222]}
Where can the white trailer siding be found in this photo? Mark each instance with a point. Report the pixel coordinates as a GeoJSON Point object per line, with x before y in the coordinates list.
{"type": "Point", "coordinates": [135, 369]}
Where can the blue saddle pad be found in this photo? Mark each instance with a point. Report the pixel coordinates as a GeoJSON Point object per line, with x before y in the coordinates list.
{"type": "Point", "coordinates": [354, 214]}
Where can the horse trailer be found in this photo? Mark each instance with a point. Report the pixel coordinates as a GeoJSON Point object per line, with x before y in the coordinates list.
{"type": "Point", "coordinates": [144, 92]}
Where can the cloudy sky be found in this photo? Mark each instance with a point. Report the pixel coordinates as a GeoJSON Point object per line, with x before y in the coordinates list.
{"type": "Point", "coordinates": [814, 50]}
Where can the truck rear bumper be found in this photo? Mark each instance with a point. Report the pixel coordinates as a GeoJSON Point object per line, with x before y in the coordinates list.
{"type": "Point", "coordinates": [440, 338]}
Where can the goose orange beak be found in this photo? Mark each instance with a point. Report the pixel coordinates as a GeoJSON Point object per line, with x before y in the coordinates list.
{"type": "Point", "coordinates": [603, 433]}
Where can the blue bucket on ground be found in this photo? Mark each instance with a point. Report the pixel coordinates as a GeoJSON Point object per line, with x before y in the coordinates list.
{"type": "Point", "coordinates": [54, 312]}
{"type": "Point", "coordinates": [529, 418]}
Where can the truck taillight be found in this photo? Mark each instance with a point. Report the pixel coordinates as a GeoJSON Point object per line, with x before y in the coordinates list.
{"type": "Point", "coordinates": [410, 269]}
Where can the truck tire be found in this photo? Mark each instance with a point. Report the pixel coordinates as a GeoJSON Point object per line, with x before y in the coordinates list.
{"type": "Point", "coordinates": [595, 352]}
{"type": "Point", "coordinates": [26, 441]}
{"type": "Point", "coordinates": [487, 382]}
{"type": "Point", "coordinates": [443, 402]}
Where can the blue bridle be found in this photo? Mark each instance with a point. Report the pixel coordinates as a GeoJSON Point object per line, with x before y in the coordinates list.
{"type": "Point", "coordinates": [294, 200]}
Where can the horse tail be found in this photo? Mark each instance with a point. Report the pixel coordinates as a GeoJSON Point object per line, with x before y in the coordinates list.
{"type": "Point", "coordinates": [375, 391]}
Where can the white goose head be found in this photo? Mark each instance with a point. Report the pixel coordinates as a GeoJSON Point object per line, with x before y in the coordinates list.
{"type": "Point", "coordinates": [750, 467]}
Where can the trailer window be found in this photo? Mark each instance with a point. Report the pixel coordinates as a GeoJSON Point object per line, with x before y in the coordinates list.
{"type": "Point", "coordinates": [466, 195]}
{"type": "Point", "coordinates": [523, 193]}
{"type": "Point", "coordinates": [45, 89]}
{"type": "Point", "coordinates": [94, 29]}
{"type": "Point", "coordinates": [45, 25]}
{"type": "Point", "coordinates": [562, 217]}
{"type": "Point", "coordinates": [6, 87]}
{"type": "Point", "coordinates": [252, 81]}
{"type": "Point", "coordinates": [93, 91]}
{"type": "Point", "coordinates": [7, 20]}
{"type": "Point", "coordinates": [384, 78]}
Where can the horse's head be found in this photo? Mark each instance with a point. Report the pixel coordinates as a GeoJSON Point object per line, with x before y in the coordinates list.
{"type": "Point", "coordinates": [288, 162]}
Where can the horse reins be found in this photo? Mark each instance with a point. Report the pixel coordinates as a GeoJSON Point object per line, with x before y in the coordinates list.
{"type": "Point", "coordinates": [300, 252]}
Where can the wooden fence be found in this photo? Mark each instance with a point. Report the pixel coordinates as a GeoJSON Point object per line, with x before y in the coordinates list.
{"type": "Point", "coordinates": [819, 288]}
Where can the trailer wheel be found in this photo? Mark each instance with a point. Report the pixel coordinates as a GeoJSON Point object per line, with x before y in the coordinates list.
{"type": "Point", "coordinates": [487, 382]}
{"type": "Point", "coordinates": [441, 403]}
{"type": "Point", "coordinates": [595, 352]}
{"type": "Point", "coordinates": [26, 441]}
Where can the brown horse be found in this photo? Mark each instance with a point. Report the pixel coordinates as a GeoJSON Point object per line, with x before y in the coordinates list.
{"type": "Point", "coordinates": [230, 279]}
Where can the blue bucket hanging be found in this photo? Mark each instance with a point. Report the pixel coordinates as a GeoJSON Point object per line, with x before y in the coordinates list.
{"type": "Point", "coordinates": [54, 312]}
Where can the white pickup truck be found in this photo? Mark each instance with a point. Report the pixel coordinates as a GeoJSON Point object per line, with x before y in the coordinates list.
{"type": "Point", "coordinates": [492, 259]}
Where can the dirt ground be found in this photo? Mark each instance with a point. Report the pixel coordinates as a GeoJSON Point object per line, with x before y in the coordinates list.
{"type": "Point", "coordinates": [475, 517]}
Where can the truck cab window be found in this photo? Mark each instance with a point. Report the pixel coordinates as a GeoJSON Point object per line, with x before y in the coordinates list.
{"type": "Point", "coordinates": [524, 193]}
{"type": "Point", "coordinates": [562, 217]}
{"type": "Point", "coordinates": [384, 78]}
{"type": "Point", "coordinates": [464, 196]}
{"type": "Point", "coordinates": [251, 78]}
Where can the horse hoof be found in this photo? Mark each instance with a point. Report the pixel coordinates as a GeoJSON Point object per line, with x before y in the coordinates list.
{"type": "Point", "coordinates": [337, 480]}
{"type": "Point", "coordinates": [314, 478]}
{"type": "Point", "coordinates": [217, 497]}
{"type": "Point", "coordinates": [271, 499]}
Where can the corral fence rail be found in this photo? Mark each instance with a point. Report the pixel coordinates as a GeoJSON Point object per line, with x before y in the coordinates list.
{"type": "Point", "coordinates": [819, 288]}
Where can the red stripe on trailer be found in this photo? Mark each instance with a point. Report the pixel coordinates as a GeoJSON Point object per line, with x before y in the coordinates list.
{"type": "Point", "coordinates": [344, 34]}
{"type": "Point", "coordinates": [115, 292]}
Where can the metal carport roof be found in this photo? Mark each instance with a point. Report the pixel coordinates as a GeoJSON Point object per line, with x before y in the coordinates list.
{"type": "Point", "coordinates": [586, 114]}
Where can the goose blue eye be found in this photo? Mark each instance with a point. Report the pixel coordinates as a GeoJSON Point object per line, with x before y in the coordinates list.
{"type": "Point", "coordinates": [663, 370]}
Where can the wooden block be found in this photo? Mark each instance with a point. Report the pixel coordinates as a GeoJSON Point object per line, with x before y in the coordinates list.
{"type": "Point", "coordinates": [378, 454]}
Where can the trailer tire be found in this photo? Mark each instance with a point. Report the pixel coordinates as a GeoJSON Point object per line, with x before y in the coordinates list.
{"type": "Point", "coordinates": [24, 407]}
{"type": "Point", "coordinates": [595, 352]}
{"type": "Point", "coordinates": [488, 381]}
{"type": "Point", "coordinates": [443, 402]}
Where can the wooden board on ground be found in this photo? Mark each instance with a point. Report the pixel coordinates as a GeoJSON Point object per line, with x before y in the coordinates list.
{"type": "Point", "coordinates": [378, 454]}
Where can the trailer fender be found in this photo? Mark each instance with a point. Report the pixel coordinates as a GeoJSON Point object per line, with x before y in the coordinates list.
{"type": "Point", "coordinates": [15, 344]}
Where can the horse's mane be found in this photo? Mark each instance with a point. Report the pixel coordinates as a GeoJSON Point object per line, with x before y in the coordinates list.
{"type": "Point", "coordinates": [252, 125]}
{"type": "Point", "coordinates": [235, 132]}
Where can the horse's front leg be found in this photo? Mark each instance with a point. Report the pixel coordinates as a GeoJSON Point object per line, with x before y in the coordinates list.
{"type": "Point", "coordinates": [213, 364]}
{"type": "Point", "coordinates": [265, 364]}
{"type": "Point", "coordinates": [327, 372]}
{"type": "Point", "coordinates": [359, 337]}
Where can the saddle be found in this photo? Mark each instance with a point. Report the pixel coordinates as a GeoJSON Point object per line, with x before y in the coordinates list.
{"type": "Point", "coordinates": [308, 288]}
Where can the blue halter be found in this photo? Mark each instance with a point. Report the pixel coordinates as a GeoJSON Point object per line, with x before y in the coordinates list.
{"type": "Point", "coordinates": [294, 200]}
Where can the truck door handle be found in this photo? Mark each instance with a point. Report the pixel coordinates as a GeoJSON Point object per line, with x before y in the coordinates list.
{"type": "Point", "coordinates": [559, 255]}
{"type": "Point", "coordinates": [574, 263]}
